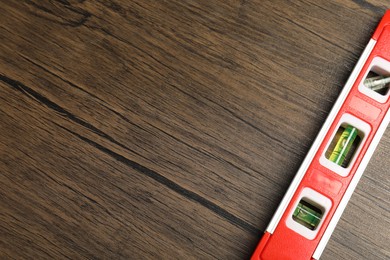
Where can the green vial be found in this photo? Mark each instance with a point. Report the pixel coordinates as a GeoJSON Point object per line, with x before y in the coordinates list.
{"type": "Point", "coordinates": [343, 145]}
{"type": "Point", "coordinates": [307, 215]}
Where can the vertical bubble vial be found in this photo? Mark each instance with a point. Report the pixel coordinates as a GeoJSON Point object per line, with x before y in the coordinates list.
{"type": "Point", "coordinates": [343, 146]}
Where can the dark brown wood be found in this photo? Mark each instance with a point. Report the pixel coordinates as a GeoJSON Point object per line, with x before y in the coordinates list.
{"type": "Point", "coordinates": [172, 129]}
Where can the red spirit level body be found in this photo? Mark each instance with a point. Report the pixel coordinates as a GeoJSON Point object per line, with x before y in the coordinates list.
{"type": "Point", "coordinates": [322, 187]}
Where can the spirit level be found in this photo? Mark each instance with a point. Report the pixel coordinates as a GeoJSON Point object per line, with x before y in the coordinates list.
{"type": "Point", "coordinates": [323, 185]}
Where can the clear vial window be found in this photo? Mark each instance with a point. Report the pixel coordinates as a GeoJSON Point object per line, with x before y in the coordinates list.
{"type": "Point", "coordinates": [308, 214]}
{"type": "Point", "coordinates": [344, 145]}
{"type": "Point", "coordinates": [377, 81]}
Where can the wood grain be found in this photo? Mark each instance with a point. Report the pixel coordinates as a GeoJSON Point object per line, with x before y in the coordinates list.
{"type": "Point", "coordinates": [171, 129]}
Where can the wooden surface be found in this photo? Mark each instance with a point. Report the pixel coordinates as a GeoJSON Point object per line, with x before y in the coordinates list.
{"type": "Point", "coordinates": [172, 129]}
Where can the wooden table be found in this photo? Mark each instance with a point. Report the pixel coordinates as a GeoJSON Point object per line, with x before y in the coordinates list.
{"type": "Point", "coordinates": [172, 129]}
